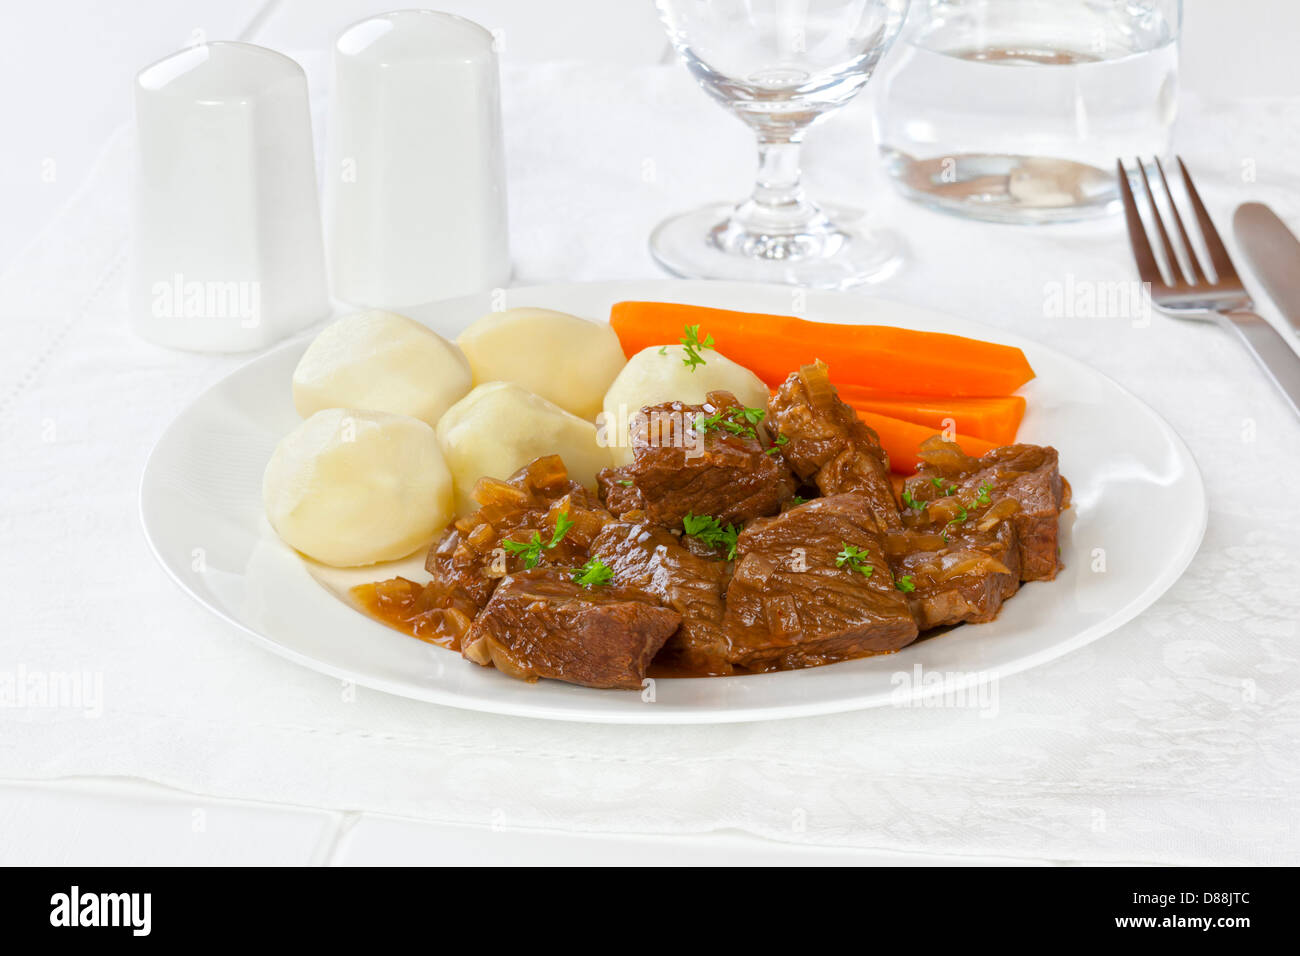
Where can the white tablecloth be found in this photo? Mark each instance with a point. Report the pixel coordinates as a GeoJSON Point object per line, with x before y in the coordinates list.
{"type": "Point", "coordinates": [1172, 740]}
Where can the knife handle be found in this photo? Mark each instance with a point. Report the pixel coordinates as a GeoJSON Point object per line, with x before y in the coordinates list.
{"type": "Point", "coordinates": [1274, 355]}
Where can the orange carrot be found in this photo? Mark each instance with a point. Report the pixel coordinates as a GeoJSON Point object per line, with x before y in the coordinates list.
{"type": "Point", "coordinates": [879, 358]}
{"type": "Point", "coordinates": [903, 439]}
{"type": "Point", "coordinates": [996, 419]}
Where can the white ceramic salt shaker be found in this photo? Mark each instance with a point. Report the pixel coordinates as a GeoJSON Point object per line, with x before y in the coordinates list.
{"type": "Point", "coordinates": [415, 204]}
{"type": "Point", "coordinates": [227, 253]}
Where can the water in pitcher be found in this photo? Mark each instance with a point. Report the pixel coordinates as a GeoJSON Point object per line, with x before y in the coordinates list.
{"type": "Point", "coordinates": [1016, 110]}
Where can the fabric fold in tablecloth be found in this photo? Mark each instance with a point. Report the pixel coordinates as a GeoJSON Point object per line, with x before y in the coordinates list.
{"type": "Point", "coordinates": [1174, 739]}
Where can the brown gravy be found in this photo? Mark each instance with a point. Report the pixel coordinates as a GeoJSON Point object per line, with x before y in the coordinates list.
{"type": "Point", "coordinates": [398, 603]}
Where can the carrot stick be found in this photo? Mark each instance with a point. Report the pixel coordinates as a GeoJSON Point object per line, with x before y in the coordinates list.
{"type": "Point", "coordinates": [996, 419]}
{"type": "Point", "coordinates": [903, 439]}
{"type": "Point", "coordinates": [879, 358]}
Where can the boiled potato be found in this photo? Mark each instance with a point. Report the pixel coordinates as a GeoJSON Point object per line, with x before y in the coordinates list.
{"type": "Point", "coordinates": [381, 362]}
{"type": "Point", "coordinates": [350, 487]}
{"type": "Point", "coordinates": [566, 360]}
{"type": "Point", "coordinates": [500, 426]}
{"type": "Point", "coordinates": [659, 374]}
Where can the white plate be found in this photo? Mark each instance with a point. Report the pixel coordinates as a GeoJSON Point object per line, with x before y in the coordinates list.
{"type": "Point", "coordinates": [1138, 515]}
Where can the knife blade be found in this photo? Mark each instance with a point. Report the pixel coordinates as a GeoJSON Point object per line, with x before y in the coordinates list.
{"type": "Point", "coordinates": [1274, 253]}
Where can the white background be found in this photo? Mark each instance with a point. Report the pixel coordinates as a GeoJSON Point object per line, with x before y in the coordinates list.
{"type": "Point", "coordinates": [66, 69]}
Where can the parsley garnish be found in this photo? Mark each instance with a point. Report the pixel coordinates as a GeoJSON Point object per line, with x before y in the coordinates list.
{"type": "Point", "coordinates": [961, 514]}
{"type": "Point", "coordinates": [738, 421]}
{"type": "Point", "coordinates": [663, 350]}
{"type": "Point", "coordinates": [706, 528]}
{"type": "Point", "coordinates": [797, 500]}
{"type": "Point", "coordinates": [626, 482]}
{"type": "Point", "coordinates": [531, 551]}
{"type": "Point", "coordinates": [706, 423]}
{"type": "Point", "coordinates": [593, 574]}
{"type": "Point", "coordinates": [905, 584]}
{"type": "Point", "coordinates": [693, 345]}
{"type": "Point", "coordinates": [852, 556]}
{"type": "Point", "coordinates": [912, 502]}
{"type": "Point", "coordinates": [777, 443]}
{"type": "Point", "coordinates": [943, 485]}
{"type": "Point", "coordinates": [985, 494]}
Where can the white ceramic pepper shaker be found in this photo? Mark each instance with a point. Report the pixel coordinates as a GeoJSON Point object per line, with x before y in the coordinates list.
{"type": "Point", "coordinates": [227, 254]}
{"type": "Point", "coordinates": [415, 202]}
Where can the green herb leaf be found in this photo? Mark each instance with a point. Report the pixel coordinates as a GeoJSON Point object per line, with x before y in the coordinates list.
{"type": "Point", "coordinates": [562, 525]}
{"type": "Point", "coordinates": [531, 551]}
{"type": "Point", "coordinates": [737, 421]}
{"type": "Point", "coordinates": [962, 514]}
{"type": "Point", "coordinates": [852, 556]}
{"type": "Point", "coordinates": [944, 485]}
{"type": "Point", "coordinates": [797, 500]}
{"type": "Point", "coordinates": [707, 529]}
{"type": "Point", "coordinates": [626, 482]}
{"type": "Point", "coordinates": [985, 495]}
{"type": "Point", "coordinates": [905, 584]}
{"type": "Point", "coordinates": [912, 502]}
{"type": "Point", "coordinates": [777, 443]}
{"type": "Point", "coordinates": [595, 573]}
{"type": "Point", "coordinates": [693, 345]}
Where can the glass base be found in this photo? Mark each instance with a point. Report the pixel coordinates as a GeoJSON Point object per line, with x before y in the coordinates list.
{"type": "Point", "coordinates": [838, 253]}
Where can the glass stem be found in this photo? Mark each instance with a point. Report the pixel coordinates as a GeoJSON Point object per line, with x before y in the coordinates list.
{"type": "Point", "coordinates": [777, 205]}
{"type": "Point", "coordinates": [777, 185]}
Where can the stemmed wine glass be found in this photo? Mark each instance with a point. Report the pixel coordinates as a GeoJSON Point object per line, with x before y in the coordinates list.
{"type": "Point", "coordinates": [780, 65]}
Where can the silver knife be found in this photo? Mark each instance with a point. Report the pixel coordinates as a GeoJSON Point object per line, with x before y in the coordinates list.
{"type": "Point", "coordinates": [1274, 254]}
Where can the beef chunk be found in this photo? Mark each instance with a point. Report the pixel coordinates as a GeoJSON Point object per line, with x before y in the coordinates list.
{"type": "Point", "coordinates": [964, 578]}
{"type": "Point", "coordinates": [824, 442]}
{"type": "Point", "coordinates": [1018, 483]}
{"type": "Point", "coordinates": [619, 492]}
{"type": "Point", "coordinates": [540, 623]}
{"type": "Point", "coordinates": [470, 558]}
{"type": "Point", "coordinates": [699, 459]}
{"type": "Point", "coordinates": [652, 559]}
{"type": "Point", "coordinates": [790, 605]}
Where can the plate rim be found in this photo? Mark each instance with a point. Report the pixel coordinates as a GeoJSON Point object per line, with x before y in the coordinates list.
{"type": "Point", "coordinates": [951, 683]}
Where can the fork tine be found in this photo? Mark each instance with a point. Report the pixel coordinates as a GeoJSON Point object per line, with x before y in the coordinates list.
{"type": "Point", "coordinates": [1198, 274]}
{"type": "Point", "coordinates": [1171, 257]}
{"type": "Point", "coordinates": [1148, 269]}
{"type": "Point", "coordinates": [1223, 270]}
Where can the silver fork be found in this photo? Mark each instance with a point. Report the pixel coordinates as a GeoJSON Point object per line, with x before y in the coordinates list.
{"type": "Point", "coordinates": [1195, 295]}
